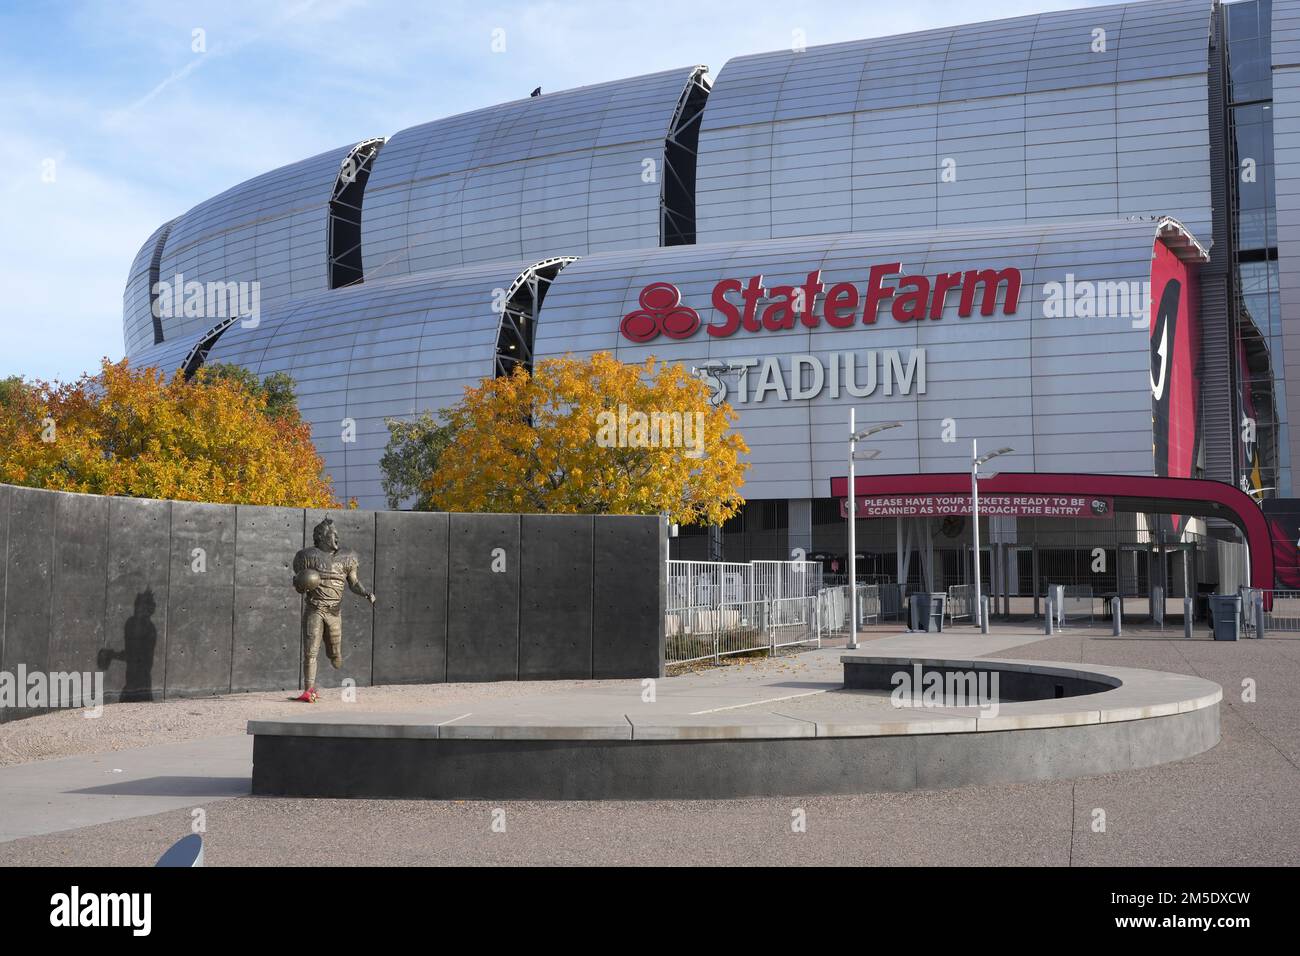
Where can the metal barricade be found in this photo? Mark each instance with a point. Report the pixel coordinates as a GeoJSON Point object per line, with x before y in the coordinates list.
{"type": "Point", "coordinates": [1078, 604]}
{"type": "Point", "coordinates": [1280, 612]}
{"type": "Point", "coordinates": [959, 601]}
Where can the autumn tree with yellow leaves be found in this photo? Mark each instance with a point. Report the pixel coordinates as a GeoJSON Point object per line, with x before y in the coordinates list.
{"type": "Point", "coordinates": [592, 436]}
{"type": "Point", "coordinates": [135, 432]}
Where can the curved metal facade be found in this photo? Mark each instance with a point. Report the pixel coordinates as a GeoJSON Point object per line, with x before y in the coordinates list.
{"type": "Point", "coordinates": [1013, 121]}
{"type": "Point", "coordinates": [1069, 394]}
{"type": "Point", "coordinates": [570, 172]}
{"type": "Point", "coordinates": [273, 229]}
{"type": "Point", "coordinates": [139, 328]}
{"type": "Point", "coordinates": [1069, 135]}
{"type": "Point", "coordinates": [388, 348]}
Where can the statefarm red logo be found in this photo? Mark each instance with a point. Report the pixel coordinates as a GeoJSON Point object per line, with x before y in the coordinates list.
{"type": "Point", "coordinates": [661, 312]}
{"type": "Point", "coordinates": [912, 298]}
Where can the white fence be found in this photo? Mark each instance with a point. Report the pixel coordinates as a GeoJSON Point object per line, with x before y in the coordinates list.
{"type": "Point", "coordinates": [719, 608]}
{"type": "Point", "coordinates": [715, 583]}
{"type": "Point", "coordinates": [1281, 612]}
{"type": "Point", "coordinates": [960, 597]}
{"type": "Point", "coordinates": [833, 608]}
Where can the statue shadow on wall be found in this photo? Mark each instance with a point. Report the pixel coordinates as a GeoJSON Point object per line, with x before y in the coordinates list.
{"type": "Point", "coordinates": [139, 639]}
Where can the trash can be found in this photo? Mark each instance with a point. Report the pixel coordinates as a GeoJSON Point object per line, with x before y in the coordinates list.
{"type": "Point", "coordinates": [1225, 609]}
{"type": "Point", "coordinates": [915, 612]}
{"type": "Point", "coordinates": [926, 611]}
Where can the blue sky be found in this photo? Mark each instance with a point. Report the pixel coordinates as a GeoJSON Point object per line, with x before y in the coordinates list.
{"type": "Point", "coordinates": [136, 127]}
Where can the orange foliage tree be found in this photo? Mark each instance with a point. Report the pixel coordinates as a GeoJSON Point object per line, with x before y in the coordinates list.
{"type": "Point", "coordinates": [592, 436]}
{"type": "Point", "coordinates": [134, 432]}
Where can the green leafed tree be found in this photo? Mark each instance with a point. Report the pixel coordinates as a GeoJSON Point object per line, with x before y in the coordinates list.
{"type": "Point", "coordinates": [12, 389]}
{"type": "Point", "coordinates": [412, 454]}
{"type": "Point", "coordinates": [277, 388]}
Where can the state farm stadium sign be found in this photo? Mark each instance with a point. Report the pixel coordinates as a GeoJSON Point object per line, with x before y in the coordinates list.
{"type": "Point", "coordinates": [1018, 506]}
{"type": "Point", "coordinates": [750, 307]}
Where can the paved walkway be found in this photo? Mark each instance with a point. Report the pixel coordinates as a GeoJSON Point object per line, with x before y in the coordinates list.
{"type": "Point", "coordinates": [49, 796]}
{"type": "Point", "coordinates": [52, 795]}
{"type": "Point", "coordinates": [1235, 804]}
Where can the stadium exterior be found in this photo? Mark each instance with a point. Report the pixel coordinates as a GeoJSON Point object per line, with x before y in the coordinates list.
{"type": "Point", "coordinates": [1076, 234]}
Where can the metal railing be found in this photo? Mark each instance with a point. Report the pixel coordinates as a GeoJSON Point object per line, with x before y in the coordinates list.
{"type": "Point", "coordinates": [1281, 611]}
{"type": "Point", "coordinates": [708, 632]}
{"type": "Point", "coordinates": [717, 583]}
{"type": "Point", "coordinates": [833, 608]}
{"type": "Point", "coordinates": [959, 601]}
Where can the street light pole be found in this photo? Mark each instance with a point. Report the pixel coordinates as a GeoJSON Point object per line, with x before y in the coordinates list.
{"type": "Point", "coordinates": [975, 461]}
{"type": "Point", "coordinates": [856, 436]}
{"type": "Point", "coordinates": [976, 612]}
{"type": "Point", "coordinates": [853, 534]}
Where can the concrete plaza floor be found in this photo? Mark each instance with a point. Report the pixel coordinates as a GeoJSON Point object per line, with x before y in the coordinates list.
{"type": "Point", "coordinates": [1238, 803]}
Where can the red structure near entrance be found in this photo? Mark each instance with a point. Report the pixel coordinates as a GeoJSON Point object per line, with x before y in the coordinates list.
{"type": "Point", "coordinates": [1179, 496]}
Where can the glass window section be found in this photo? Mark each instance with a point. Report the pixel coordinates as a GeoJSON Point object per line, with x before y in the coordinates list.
{"type": "Point", "coordinates": [1248, 27]}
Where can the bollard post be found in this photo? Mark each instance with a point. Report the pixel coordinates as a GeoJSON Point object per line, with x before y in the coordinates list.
{"type": "Point", "coordinates": [1259, 614]}
{"type": "Point", "coordinates": [1047, 618]}
{"type": "Point", "coordinates": [1117, 616]}
{"type": "Point", "coordinates": [984, 613]}
{"type": "Point", "coordinates": [1187, 618]}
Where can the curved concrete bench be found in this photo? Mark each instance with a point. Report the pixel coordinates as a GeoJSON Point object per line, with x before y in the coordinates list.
{"type": "Point", "coordinates": [588, 748]}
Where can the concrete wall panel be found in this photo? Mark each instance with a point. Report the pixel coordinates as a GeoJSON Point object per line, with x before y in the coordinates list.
{"type": "Point", "coordinates": [199, 630]}
{"type": "Point", "coordinates": [266, 648]}
{"type": "Point", "coordinates": [178, 599]}
{"type": "Point", "coordinates": [411, 586]}
{"type": "Point", "coordinates": [483, 604]}
{"type": "Point", "coordinates": [5, 495]}
{"type": "Point", "coordinates": [200, 599]}
{"type": "Point", "coordinates": [555, 596]}
{"type": "Point", "coordinates": [631, 554]}
{"type": "Point", "coordinates": [28, 588]}
{"type": "Point", "coordinates": [80, 582]}
{"type": "Point", "coordinates": [135, 615]}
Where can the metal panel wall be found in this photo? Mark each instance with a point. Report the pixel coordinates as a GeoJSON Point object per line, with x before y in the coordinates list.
{"type": "Point", "coordinates": [1286, 166]}
{"type": "Point", "coordinates": [137, 301]}
{"type": "Point", "coordinates": [272, 229]}
{"type": "Point", "coordinates": [383, 349]}
{"type": "Point", "coordinates": [557, 173]}
{"type": "Point", "coordinates": [1069, 394]}
{"type": "Point", "coordinates": [1081, 114]}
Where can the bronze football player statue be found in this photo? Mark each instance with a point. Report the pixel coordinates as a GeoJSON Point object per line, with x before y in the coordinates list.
{"type": "Point", "coordinates": [319, 573]}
